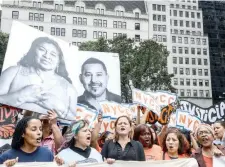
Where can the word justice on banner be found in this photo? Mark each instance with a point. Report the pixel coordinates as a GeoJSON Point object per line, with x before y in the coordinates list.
{"type": "Point", "coordinates": [207, 115]}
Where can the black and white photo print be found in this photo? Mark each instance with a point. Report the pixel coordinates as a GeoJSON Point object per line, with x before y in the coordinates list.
{"type": "Point", "coordinates": [99, 78]}
{"type": "Point", "coordinates": [35, 75]}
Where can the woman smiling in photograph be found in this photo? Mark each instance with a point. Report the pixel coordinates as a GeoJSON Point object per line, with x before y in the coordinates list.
{"type": "Point", "coordinates": [46, 84]}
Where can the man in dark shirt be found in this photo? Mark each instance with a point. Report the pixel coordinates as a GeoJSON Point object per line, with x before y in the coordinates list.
{"type": "Point", "coordinates": [94, 78]}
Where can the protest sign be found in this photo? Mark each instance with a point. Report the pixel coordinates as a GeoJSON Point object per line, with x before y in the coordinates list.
{"type": "Point", "coordinates": [187, 121]}
{"type": "Point", "coordinates": [111, 111]}
{"type": "Point", "coordinates": [98, 76]}
{"type": "Point", "coordinates": [38, 73]}
{"type": "Point", "coordinates": [207, 115]}
{"type": "Point", "coordinates": [146, 100]}
{"type": "Point", "coordinates": [163, 98]}
{"type": "Point", "coordinates": [184, 162]}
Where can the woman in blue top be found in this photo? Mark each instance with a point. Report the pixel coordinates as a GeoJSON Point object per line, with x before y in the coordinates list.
{"type": "Point", "coordinates": [26, 144]}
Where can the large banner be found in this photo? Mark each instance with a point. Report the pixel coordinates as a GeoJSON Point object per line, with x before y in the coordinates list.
{"type": "Point", "coordinates": [98, 78]}
{"type": "Point", "coordinates": [8, 117]}
{"type": "Point", "coordinates": [184, 120]}
{"type": "Point", "coordinates": [207, 115]}
{"type": "Point", "coordinates": [185, 162]}
{"type": "Point", "coordinates": [36, 75]}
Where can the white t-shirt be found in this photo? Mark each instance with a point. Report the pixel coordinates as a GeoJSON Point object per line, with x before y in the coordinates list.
{"type": "Point", "coordinates": [69, 156]}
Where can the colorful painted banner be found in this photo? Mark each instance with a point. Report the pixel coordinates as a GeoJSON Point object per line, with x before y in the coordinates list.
{"type": "Point", "coordinates": [207, 115]}
{"type": "Point", "coordinates": [7, 121]}
{"type": "Point", "coordinates": [184, 162]}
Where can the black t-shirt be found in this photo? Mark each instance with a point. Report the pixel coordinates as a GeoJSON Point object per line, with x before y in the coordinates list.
{"type": "Point", "coordinates": [133, 151]}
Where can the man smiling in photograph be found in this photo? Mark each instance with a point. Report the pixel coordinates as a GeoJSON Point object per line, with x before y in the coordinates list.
{"type": "Point", "coordinates": [94, 77]}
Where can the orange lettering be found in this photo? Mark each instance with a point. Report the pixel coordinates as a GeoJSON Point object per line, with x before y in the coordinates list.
{"type": "Point", "coordinates": [189, 122]}
{"type": "Point", "coordinates": [105, 124]}
{"type": "Point", "coordinates": [182, 119]}
{"type": "Point", "coordinates": [105, 108]}
{"type": "Point", "coordinates": [138, 95]}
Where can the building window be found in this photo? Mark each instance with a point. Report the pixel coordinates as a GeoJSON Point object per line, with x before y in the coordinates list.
{"type": "Point", "coordinates": [198, 51]}
{"type": "Point", "coordinates": [53, 18]}
{"type": "Point", "coordinates": [31, 16]}
{"type": "Point", "coordinates": [201, 94]}
{"type": "Point", "coordinates": [186, 14]}
{"type": "Point", "coordinates": [181, 13]}
{"type": "Point", "coordinates": [175, 81]}
{"type": "Point", "coordinates": [200, 83]}
{"type": "Point", "coordinates": [154, 7]}
{"type": "Point", "coordinates": [57, 32]}
{"type": "Point", "coordinates": [164, 18]}
{"type": "Point", "coordinates": [186, 60]}
{"type": "Point", "coordinates": [59, 6]}
{"type": "Point", "coordinates": [193, 61]}
{"type": "Point", "coordinates": [199, 61]}
{"type": "Point", "coordinates": [187, 71]}
{"type": "Point", "coordinates": [193, 71]}
{"type": "Point", "coordinates": [192, 15]}
{"type": "Point", "coordinates": [41, 28]}
{"type": "Point", "coordinates": [179, 39]}
{"type": "Point", "coordinates": [207, 93]}
{"type": "Point", "coordinates": [199, 25]}
{"type": "Point", "coordinates": [104, 23]}
{"type": "Point", "coordinates": [137, 15]}
{"type": "Point", "coordinates": [137, 38]}
{"type": "Point", "coordinates": [180, 50]}
{"type": "Point", "coordinates": [193, 24]}
{"type": "Point", "coordinates": [180, 60]}
{"type": "Point", "coordinates": [193, 51]}
{"type": "Point", "coordinates": [194, 82]}
{"type": "Point", "coordinates": [63, 32]}
{"type": "Point", "coordinates": [198, 15]}
{"type": "Point", "coordinates": [192, 41]}
{"type": "Point", "coordinates": [175, 70]}
{"type": "Point", "coordinates": [137, 26]}
{"type": "Point", "coordinates": [186, 50]}
{"type": "Point", "coordinates": [85, 21]}
{"type": "Point", "coordinates": [199, 72]}
{"type": "Point", "coordinates": [119, 13]}
{"type": "Point", "coordinates": [79, 33]}
{"type": "Point", "coordinates": [63, 19]}
{"type": "Point", "coordinates": [174, 49]}
{"type": "Point", "coordinates": [174, 60]}
{"type": "Point", "coordinates": [181, 82]}
{"type": "Point", "coordinates": [188, 92]}
{"type": "Point", "coordinates": [181, 71]}
{"type": "Point", "coordinates": [173, 39]}
{"type": "Point", "coordinates": [198, 42]}
{"type": "Point", "coordinates": [187, 24]}
{"type": "Point", "coordinates": [206, 72]}
{"type": "Point", "coordinates": [15, 15]}
{"type": "Point", "coordinates": [188, 83]}
{"type": "Point", "coordinates": [82, 9]}
{"type": "Point", "coordinates": [195, 93]}
{"type": "Point", "coordinates": [204, 51]}
{"type": "Point", "coordinates": [163, 8]}
{"type": "Point", "coordinates": [174, 12]}
{"type": "Point", "coordinates": [206, 83]}
{"type": "Point", "coordinates": [154, 27]}
{"type": "Point", "coordinates": [182, 92]}
{"type": "Point", "coordinates": [205, 62]}
{"type": "Point", "coordinates": [103, 12]}
{"type": "Point", "coordinates": [52, 31]}
{"type": "Point", "coordinates": [154, 17]}
{"type": "Point", "coordinates": [203, 41]}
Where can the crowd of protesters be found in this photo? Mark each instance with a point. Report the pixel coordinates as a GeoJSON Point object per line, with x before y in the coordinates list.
{"type": "Point", "coordinates": [40, 139]}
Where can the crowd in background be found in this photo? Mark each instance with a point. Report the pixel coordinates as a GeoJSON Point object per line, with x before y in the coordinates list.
{"type": "Point", "coordinates": [40, 139]}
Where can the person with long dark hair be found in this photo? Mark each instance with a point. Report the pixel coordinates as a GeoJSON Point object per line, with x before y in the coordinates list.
{"type": "Point", "coordinates": [219, 131]}
{"type": "Point", "coordinates": [26, 143]}
{"type": "Point", "coordinates": [45, 82]}
{"type": "Point", "coordinates": [143, 134]}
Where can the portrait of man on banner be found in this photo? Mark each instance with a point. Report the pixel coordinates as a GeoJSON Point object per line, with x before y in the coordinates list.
{"type": "Point", "coordinates": [39, 81]}
{"type": "Point", "coordinates": [94, 78]}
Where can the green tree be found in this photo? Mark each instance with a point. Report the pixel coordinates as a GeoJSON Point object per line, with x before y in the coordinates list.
{"type": "Point", "coordinates": [3, 45]}
{"type": "Point", "coordinates": [144, 64]}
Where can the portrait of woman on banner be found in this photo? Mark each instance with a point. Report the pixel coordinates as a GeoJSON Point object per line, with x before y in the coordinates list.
{"type": "Point", "coordinates": [40, 81]}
